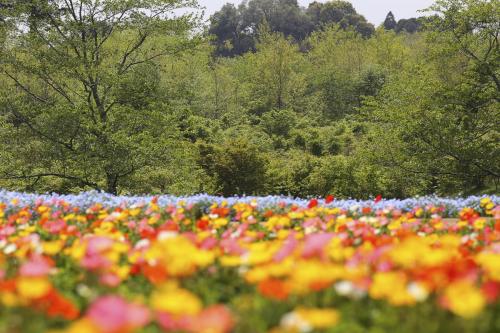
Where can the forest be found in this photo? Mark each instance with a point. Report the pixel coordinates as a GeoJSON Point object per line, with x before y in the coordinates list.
{"type": "Point", "coordinates": [149, 96]}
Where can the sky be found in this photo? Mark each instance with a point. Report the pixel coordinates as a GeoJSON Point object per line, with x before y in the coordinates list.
{"type": "Point", "coordinates": [374, 10]}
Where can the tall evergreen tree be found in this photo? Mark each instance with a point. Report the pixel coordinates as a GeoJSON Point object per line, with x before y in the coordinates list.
{"type": "Point", "coordinates": [390, 22]}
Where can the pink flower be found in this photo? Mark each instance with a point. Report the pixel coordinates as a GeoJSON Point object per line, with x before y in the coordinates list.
{"type": "Point", "coordinates": [287, 249]}
{"type": "Point", "coordinates": [138, 316]}
{"type": "Point", "coordinates": [55, 227]}
{"type": "Point", "coordinates": [171, 323]}
{"type": "Point", "coordinates": [94, 262]}
{"type": "Point", "coordinates": [114, 314]}
{"type": "Point", "coordinates": [208, 243]}
{"type": "Point", "coordinates": [313, 222]}
{"type": "Point", "coordinates": [315, 244]}
{"type": "Point", "coordinates": [71, 229]}
{"type": "Point", "coordinates": [96, 245]}
{"type": "Point", "coordinates": [110, 280]}
{"type": "Point", "coordinates": [231, 246]}
{"type": "Point", "coordinates": [215, 319]}
{"type": "Point", "coordinates": [35, 267]}
{"type": "Point", "coordinates": [7, 230]}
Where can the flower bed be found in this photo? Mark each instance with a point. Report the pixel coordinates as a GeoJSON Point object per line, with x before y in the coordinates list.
{"type": "Point", "coordinates": [98, 263]}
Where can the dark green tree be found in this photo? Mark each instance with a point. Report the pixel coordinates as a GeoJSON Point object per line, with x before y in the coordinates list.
{"type": "Point", "coordinates": [229, 31]}
{"type": "Point", "coordinates": [390, 22]}
{"type": "Point", "coordinates": [341, 13]}
{"type": "Point", "coordinates": [236, 29]}
{"type": "Point", "coordinates": [237, 166]}
{"type": "Point", "coordinates": [411, 25]}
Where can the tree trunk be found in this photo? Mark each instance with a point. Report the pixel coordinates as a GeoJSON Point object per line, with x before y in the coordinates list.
{"type": "Point", "coordinates": [112, 183]}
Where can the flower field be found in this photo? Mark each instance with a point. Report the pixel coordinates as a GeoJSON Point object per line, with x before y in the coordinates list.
{"type": "Point", "coordinates": [102, 264]}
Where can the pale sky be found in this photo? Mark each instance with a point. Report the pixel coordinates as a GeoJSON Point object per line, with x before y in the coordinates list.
{"type": "Point", "coordinates": [374, 10]}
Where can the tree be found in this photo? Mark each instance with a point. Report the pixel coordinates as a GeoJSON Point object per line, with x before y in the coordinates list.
{"type": "Point", "coordinates": [237, 166]}
{"type": "Point", "coordinates": [236, 30]}
{"type": "Point", "coordinates": [441, 115]}
{"type": "Point", "coordinates": [284, 16]}
{"type": "Point", "coordinates": [470, 27]}
{"type": "Point", "coordinates": [339, 59]}
{"type": "Point", "coordinates": [273, 75]}
{"type": "Point", "coordinates": [411, 25]}
{"type": "Point", "coordinates": [66, 114]}
{"type": "Point", "coordinates": [341, 13]}
{"type": "Point", "coordinates": [390, 22]}
{"type": "Point", "coordinates": [231, 37]}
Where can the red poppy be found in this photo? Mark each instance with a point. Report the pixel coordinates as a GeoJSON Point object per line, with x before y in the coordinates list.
{"type": "Point", "coordinates": [319, 285]}
{"type": "Point", "coordinates": [202, 224]}
{"type": "Point", "coordinates": [268, 213]}
{"type": "Point", "coordinates": [497, 226]}
{"type": "Point", "coordinates": [274, 289]}
{"type": "Point", "coordinates": [155, 274]}
{"type": "Point", "coordinates": [221, 211]}
{"type": "Point", "coordinates": [329, 199]}
{"type": "Point", "coordinates": [313, 203]}
{"type": "Point", "coordinates": [8, 286]}
{"type": "Point", "coordinates": [491, 291]}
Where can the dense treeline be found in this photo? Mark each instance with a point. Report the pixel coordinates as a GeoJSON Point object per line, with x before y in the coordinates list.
{"type": "Point", "coordinates": [235, 30]}
{"type": "Point", "coordinates": [122, 97]}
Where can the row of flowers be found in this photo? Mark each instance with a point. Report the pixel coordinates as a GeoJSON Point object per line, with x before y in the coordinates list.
{"type": "Point", "coordinates": [187, 265]}
{"type": "Point", "coordinates": [447, 206]}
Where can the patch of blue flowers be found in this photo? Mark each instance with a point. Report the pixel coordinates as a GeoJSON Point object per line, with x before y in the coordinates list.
{"type": "Point", "coordinates": [87, 199]}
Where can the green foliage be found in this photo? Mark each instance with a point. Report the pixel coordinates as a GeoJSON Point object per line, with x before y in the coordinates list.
{"type": "Point", "coordinates": [236, 30]}
{"type": "Point", "coordinates": [288, 174]}
{"type": "Point", "coordinates": [80, 84]}
{"type": "Point", "coordinates": [447, 135]}
{"type": "Point", "coordinates": [237, 166]}
{"type": "Point", "coordinates": [278, 122]}
{"type": "Point", "coordinates": [341, 13]}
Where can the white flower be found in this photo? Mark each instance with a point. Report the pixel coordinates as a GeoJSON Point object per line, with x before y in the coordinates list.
{"type": "Point", "coordinates": [164, 235]}
{"type": "Point", "coordinates": [9, 249]}
{"type": "Point", "coordinates": [292, 321]}
{"type": "Point", "coordinates": [84, 291]}
{"type": "Point", "coordinates": [418, 292]}
{"type": "Point", "coordinates": [242, 270]}
{"type": "Point", "coordinates": [344, 288]}
{"type": "Point", "coordinates": [143, 243]}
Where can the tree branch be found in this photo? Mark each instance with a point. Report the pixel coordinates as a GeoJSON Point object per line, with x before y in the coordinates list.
{"type": "Point", "coordinates": [57, 175]}
{"type": "Point", "coordinates": [27, 90]}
